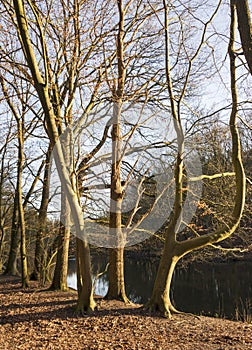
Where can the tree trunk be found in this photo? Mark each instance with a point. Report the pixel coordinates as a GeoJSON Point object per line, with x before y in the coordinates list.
{"type": "Point", "coordinates": [40, 255]}
{"type": "Point", "coordinates": [173, 250]}
{"type": "Point", "coordinates": [11, 268]}
{"type": "Point", "coordinates": [60, 273]}
{"type": "Point", "coordinates": [52, 116]}
{"type": "Point", "coordinates": [160, 300]}
{"type": "Point", "coordinates": [116, 259]}
{"type": "Point", "coordinates": [245, 29]}
{"type": "Point", "coordinates": [116, 256]}
{"type": "Point", "coordinates": [23, 255]}
{"type": "Point", "coordinates": [116, 275]}
{"type": "Point", "coordinates": [86, 302]}
{"type": "Point", "coordinates": [2, 238]}
{"type": "Point", "coordinates": [61, 268]}
{"type": "Point", "coordinates": [24, 268]}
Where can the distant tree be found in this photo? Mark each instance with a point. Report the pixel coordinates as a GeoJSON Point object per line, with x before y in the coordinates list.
{"type": "Point", "coordinates": [18, 205]}
{"type": "Point", "coordinates": [39, 259]}
{"type": "Point", "coordinates": [6, 189]}
{"type": "Point", "coordinates": [214, 146]}
{"type": "Point", "coordinates": [18, 103]}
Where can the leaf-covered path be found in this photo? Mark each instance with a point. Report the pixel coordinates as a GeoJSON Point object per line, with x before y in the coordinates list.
{"type": "Point", "coordinates": [39, 319]}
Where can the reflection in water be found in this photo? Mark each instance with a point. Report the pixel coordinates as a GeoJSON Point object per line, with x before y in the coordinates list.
{"type": "Point", "coordinates": [201, 289]}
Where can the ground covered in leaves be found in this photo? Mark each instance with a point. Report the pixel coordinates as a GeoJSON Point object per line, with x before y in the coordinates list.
{"type": "Point", "coordinates": [40, 319]}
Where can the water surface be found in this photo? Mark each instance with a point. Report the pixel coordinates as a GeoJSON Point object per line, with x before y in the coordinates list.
{"type": "Point", "coordinates": [222, 290]}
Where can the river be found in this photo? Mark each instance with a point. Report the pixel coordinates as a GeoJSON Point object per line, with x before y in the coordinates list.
{"type": "Point", "coordinates": [221, 290]}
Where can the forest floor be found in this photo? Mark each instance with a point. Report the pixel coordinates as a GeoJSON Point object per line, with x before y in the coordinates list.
{"type": "Point", "coordinates": [40, 319]}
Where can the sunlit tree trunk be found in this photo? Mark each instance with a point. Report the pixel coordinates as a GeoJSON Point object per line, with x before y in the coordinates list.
{"type": "Point", "coordinates": [160, 300]}
{"type": "Point", "coordinates": [86, 302]}
{"type": "Point", "coordinates": [23, 255]}
{"type": "Point", "coordinates": [116, 257]}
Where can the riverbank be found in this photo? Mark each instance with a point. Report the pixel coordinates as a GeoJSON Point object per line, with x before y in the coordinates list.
{"type": "Point", "coordinates": [40, 319]}
{"type": "Point", "coordinates": [152, 250]}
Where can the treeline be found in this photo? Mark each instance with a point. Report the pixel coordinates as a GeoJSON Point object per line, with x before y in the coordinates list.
{"type": "Point", "coordinates": [217, 197]}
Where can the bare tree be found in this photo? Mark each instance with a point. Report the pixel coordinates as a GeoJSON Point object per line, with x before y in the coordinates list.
{"type": "Point", "coordinates": [6, 190]}
{"type": "Point", "coordinates": [116, 268]}
{"type": "Point", "coordinates": [45, 86]}
{"type": "Point", "coordinates": [173, 250]}
{"type": "Point", "coordinates": [19, 191]}
{"type": "Point", "coordinates": [73, 67]}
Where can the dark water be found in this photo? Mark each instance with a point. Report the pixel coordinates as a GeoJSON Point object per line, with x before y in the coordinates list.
{"type": "Point", "coordinates": [223, 290]}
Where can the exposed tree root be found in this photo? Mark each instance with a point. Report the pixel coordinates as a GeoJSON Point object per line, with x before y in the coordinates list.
{"type": "Point", "coordinates": [189, 314]}
{"type": "Point", "coordinates": [120, 297]}
{"type": "Point", "coordinates": [82, 310]}
{"type": "Point", "coordinates": [165, 310]}
{"type": "Point", "coordinates": [55, 289]}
